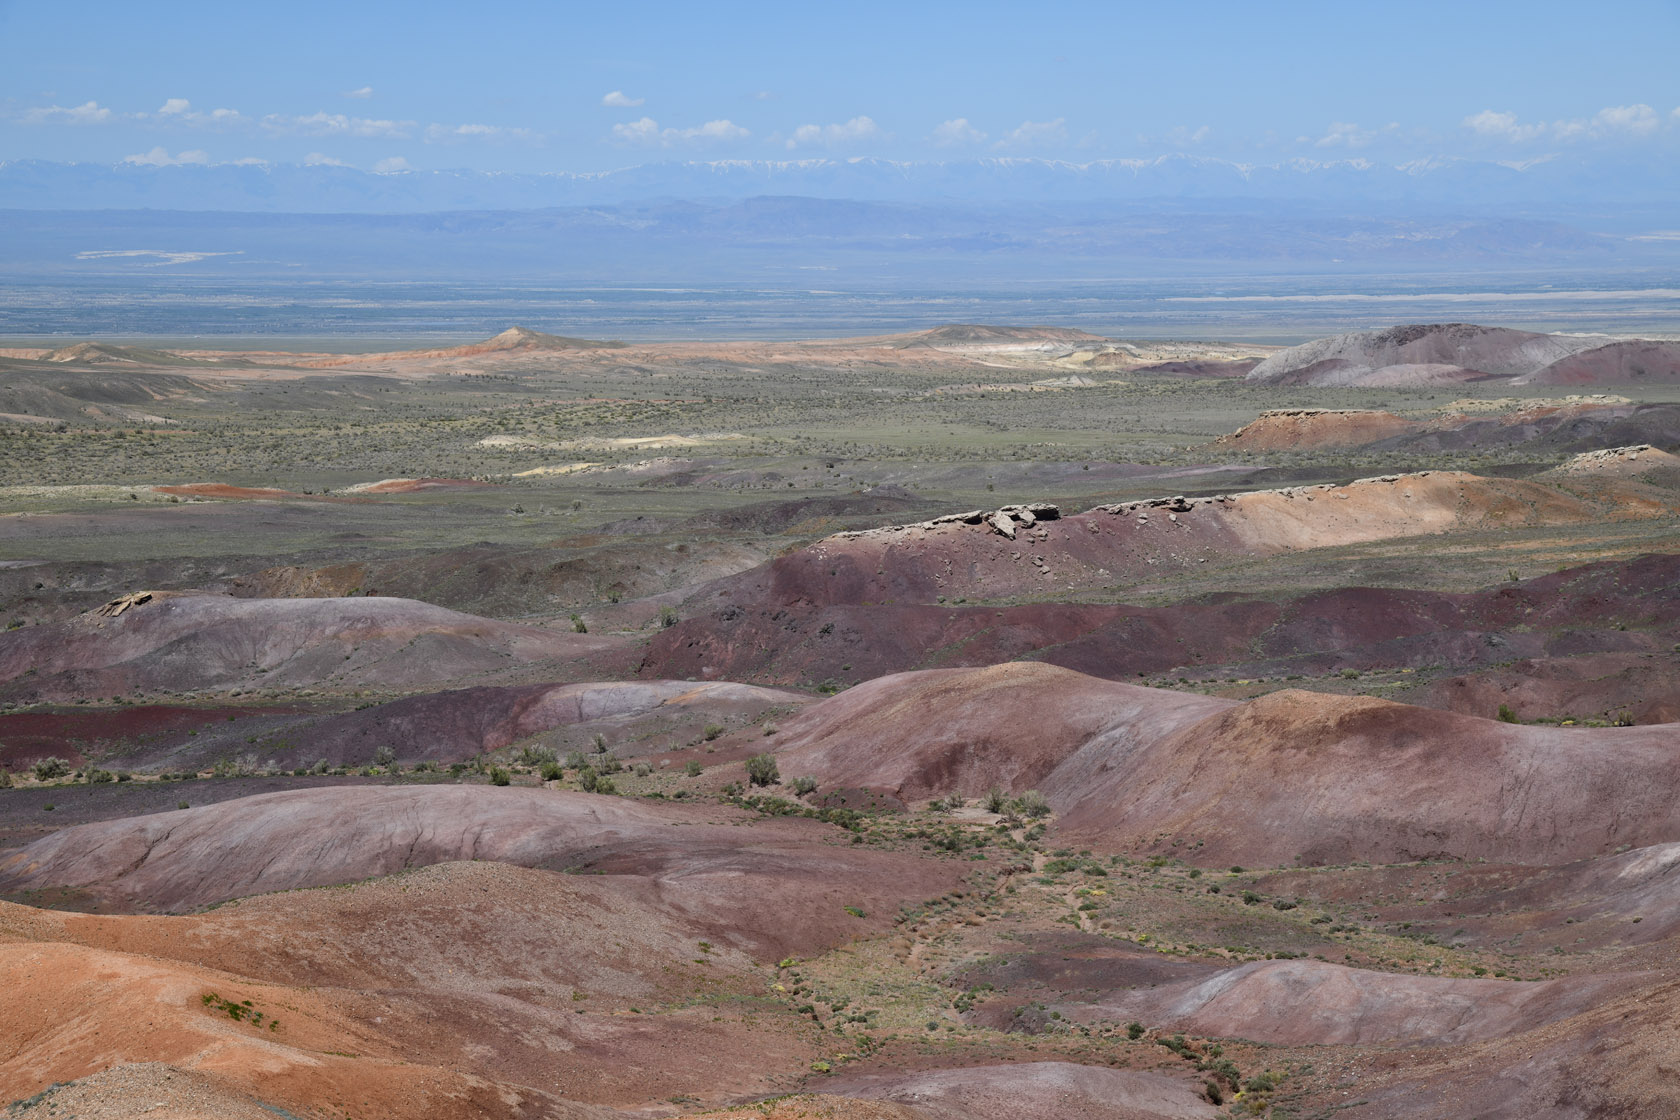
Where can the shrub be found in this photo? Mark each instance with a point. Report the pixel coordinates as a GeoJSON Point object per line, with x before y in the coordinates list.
{"type": "Point", "coordinates": [385, 755]}
{"type": "Point", "coordinates": [712, 731]}
{"type": "Point", "coordinates": [321, 766]}
{"type": "Point", "coordinates": [46, 769]}
{"type": "Point", "coordinates": [667, 617]}
{"type": "Point", "coordinates": [995, 800]}
{"type": "Point", "coordinates": [1033, 804]}
{"type": "Point", "coordinates": [499, 776]}
{"type": "Point", "coordinates": [574, 760]}
{"type": "Point", "coordinates": [588, 779]}
{"type": "Point", "coordinates": [5, 779]}
{"type": "Point", "coordinates": [804, 785]}
{"type": "Point", "coordinates": [600, 743]}
{"type": "Point", "coordinates": [762, 771]}
{"type": "Point", "coordinates": [1134, 1030]}
{"type": "Point", "coordinates": [605, 786]}
{"type": "Point", "coordinates": [532, 755]}
{"type": "Point", "coordinates": [643, 769]}
{"type": "Point", "coordinates": [578, 625]}
{"type": "Point", "coordinates": [694, 769]}
{"type": "Point", "coordinates": [1506, 715]}
{"type": "Point", "coordinates": [97, 776]}
{"type": "Point", "coordinates": [552, 771]}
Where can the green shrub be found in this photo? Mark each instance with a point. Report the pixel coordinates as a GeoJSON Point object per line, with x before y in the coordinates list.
{"type": "Point", "coordinates": [712, 731]}
{"type": "Point", "coordinates": [995, 800]}
{"type": "Point", "coordinates": [693, 769]}
{"type": "Point", "coordinates": [47, 769]}
{"type": "Point", "coordinates": [804, 785]}
{"type": "Point", "coordinates": [578, 625]}
{"type": "Point", "coordinates": [762, 771]}
{"type": "Point", "coordinates": [499, 776]}
{"type": "Point", "coordinates": [1032, 804]}
{"type": "Point", "coordinates": [1134, 1030]}
{"type": "Point", "coordinates": [5, 779]}
{"type": "Point", "coordinates": [1506, 715]}
{"type": "Point", "coordinates": [552, 771]}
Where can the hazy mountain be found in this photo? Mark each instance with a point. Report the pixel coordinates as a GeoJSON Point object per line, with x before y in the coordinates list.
{"type": "Point", "coordinates": [1564, 184]}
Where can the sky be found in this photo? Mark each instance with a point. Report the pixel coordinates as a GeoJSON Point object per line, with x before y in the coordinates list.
{"type": "Point", "coordinates": [587, 87]}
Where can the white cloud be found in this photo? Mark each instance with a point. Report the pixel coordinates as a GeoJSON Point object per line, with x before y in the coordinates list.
{"type": "Point", "coordinates": [646, 132]}
{"type": "Point", "coordinates": [337, 124]}
{"type": "Point", "coordinates": [617, 99]}
{"type": "Point", "coordinates": [180, 111]}
{"type": "Point", "coordinates": [1183, 136]}
{"type": "Point", "coordinates": [316, 159]}
{"type": "Point", "coordinates": [766, 95]}
{"type": "Point", "coordinates": [360, 94]}
{"type": "Point", "coordinates": [160, 157]}
{"type": "Point", "coordinates": [1345, 134]}
{"type": "Point", "coordinates": [1501, 126]}
{"type": "Point", "coordinates": [447, 133]}
{"type": "Point", "coordinates": [957, 133]}
{"type": "Point", "coordinates": [1616, 121]}
{"type": "Point", "coordinates": [853, 131]}
{"type": "Point", "coordinates": [391, 165]}
{"type": "Point", "coordinates": [1635, 120]}
{"type": "Point", "coordinates": [89, 112]}
{"type": "Point", "coordinates": [1035, 134]}
{"type": "Point", "coordinates": [719, 130]}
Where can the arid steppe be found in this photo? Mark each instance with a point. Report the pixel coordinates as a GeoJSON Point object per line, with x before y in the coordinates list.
{"type": "Point", "coordinates": [978, 722]}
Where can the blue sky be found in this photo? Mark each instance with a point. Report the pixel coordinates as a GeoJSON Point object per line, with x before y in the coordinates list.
{"type": "Point", "coordinates": [575, 87]}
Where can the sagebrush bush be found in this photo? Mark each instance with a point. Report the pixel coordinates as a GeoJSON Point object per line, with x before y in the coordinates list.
{"type": "Point", "coordinates": [762, 770]}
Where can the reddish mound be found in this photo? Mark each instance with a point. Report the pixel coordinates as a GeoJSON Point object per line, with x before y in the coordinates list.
{"type": "Point", "coordinates": [916, 735]}
{"type": "Point", "coordinates": [1290, 429]}
{"type": "Point", "coordinates": [1290, 777]}
{"type": "Point", "coordinates": [1633, 362]}
{"type": "Point", "coordinates": [968, 555]}
{"type": "Point", "coordinates": [1559, 1069]}
{"type": "Point", "coordinates": [70, 1012]}
{"type": "Point", "coordinates": [1298, 776]}
{"type": "Point", "coordinates": [1311, 1003]}
{"type": "Point", "coordinates": [189, 642]}
{"type": "Point", "coordinates": [702, 862]}
{"type": "Point", "coordinates": [222, 490]}
{"type": "Point", "coordinates": [784, 623]}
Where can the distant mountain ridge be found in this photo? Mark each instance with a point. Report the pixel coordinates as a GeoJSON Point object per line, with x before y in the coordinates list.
{"type": "Point", "coordinates": [1484, 185]}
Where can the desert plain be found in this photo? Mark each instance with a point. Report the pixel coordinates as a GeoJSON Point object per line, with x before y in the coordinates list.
{"type": "Point", "coordinates": [972, 722]}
